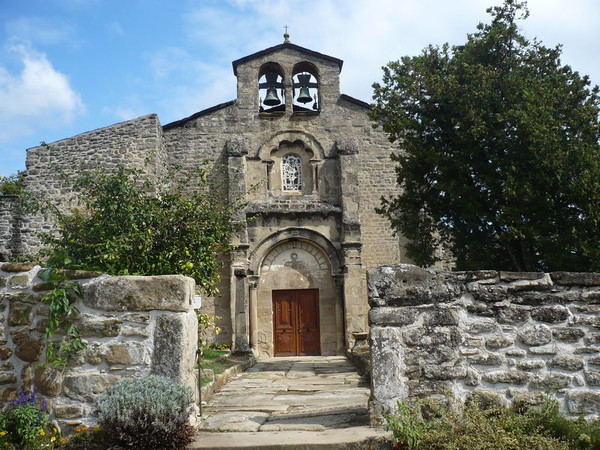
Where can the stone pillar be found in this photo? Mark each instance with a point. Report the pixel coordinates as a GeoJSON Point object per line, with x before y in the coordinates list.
{"type": "Point", "coordinates": [253, 284]}
{"type": "Point", "coordinates": [355, 304]}
{"type": "Point", "coordinates": [237, 149]}
{"type": "Point", "coordinates": [240, 312]}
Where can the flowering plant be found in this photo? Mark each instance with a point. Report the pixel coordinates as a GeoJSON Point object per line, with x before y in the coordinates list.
{"type": "Point", "coordinates": [24, 424]}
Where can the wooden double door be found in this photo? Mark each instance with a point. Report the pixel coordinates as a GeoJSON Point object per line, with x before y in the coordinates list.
{"type": "Point", "coordinates": [296, 322]}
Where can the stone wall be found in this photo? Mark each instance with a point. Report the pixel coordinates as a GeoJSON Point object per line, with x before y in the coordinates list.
{"type": "Point", "coordinates": [51, 169]}
{"type": "Point", "coordinates": [498, 337]}
{"type": "Point", "coordinates": [133, 326]}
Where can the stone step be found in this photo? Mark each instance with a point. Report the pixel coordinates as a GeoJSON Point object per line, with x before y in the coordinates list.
{"type": "Point", "coordinates": [355, 438]}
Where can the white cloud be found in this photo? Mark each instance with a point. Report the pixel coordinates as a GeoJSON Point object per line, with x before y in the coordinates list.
{"type": "Point", "coordinates": [42, 30]}
{"type": "Point", "coordinates": [367, 34]}
{"type": "Point", "coordinates": [38, 96]}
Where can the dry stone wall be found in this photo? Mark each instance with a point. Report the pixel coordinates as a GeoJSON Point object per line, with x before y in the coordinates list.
{"type": "Point", "coordinates": [494, 337]}
{"type": "Point", "coordinates": [133, 326]}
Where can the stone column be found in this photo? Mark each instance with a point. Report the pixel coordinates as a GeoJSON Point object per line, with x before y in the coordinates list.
{"type": "Point", "coordinates": [253, 284]}
{"type": "Point", "coordinates": [237, 149]}
{"type": "Point", "coordinates": [355, 305]}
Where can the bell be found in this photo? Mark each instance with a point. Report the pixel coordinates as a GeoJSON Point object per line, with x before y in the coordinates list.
{"type": "Point", "coordinates": [272, 98]}
{"type": "Point", "coordinates": [304, 96]}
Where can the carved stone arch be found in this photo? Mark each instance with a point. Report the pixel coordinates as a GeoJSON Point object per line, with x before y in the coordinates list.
{"type": "Point", "coordinates": [271, 85]}
{"type": "Point", "coordinates": [294, 262]}
{"type": "Point", "coordinates": [273, 143]}
{"type": "Point", "coordinates": [306, 87]}
{"type": "Point", "coordinates": [290, 235]}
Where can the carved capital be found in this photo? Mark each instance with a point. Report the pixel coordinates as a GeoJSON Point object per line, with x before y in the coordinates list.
{"type": "Point", "coordinates": [346, 146]}
{"type": "Point", "coordinates": [236, 146]}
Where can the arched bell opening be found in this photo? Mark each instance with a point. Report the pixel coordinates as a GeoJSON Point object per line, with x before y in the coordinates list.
{"type": "Point", "coordinates": [271, 89]}
{"type": "Point", "coordinates": [298, 304]}
{"type": "Point", "coordinates": [305, 82]}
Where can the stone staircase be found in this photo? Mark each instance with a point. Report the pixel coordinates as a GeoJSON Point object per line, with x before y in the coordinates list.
{"type": "Point", "coordinates": [292, 403]}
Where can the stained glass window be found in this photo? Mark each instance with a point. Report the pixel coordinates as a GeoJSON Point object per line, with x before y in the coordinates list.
{"type": "Point", "coordinates": [291, 173]}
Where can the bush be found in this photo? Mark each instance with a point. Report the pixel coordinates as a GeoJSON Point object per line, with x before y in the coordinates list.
{"type": "Point", "coordinates": [150, 412]}
{"type": "Point", "coordinates": [24, 424]}
{"type": "Point", "coordinates": [419, 426]}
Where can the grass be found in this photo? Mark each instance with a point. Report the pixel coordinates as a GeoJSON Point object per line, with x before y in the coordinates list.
{"type": "Point", "coordinates": [216, 360]}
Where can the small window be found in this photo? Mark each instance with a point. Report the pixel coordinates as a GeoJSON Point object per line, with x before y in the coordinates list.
{"type": "Point", "coordinates": [291, 173]}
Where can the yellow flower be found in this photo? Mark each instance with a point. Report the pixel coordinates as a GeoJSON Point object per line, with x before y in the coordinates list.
{"type": "Point", "coordinates": [2, 433]}
{"type": "Point", "coordinates": [42, 432]}
{"type": "Point", "coordinates": [6, 444]}
{"type": "Point", "coordinates": [53, 438]}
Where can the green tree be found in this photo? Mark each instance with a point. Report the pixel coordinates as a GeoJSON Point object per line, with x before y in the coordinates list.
{"type": "Point", "coordinates": [125, 227]}
{"type": "Point", "coordinates": [500, 158]}
{"type": "Point", "coordinates": [12, 184]}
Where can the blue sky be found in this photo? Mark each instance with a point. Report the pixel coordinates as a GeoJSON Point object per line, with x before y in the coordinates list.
{"type": "Point", "coordinates": [70, 66]}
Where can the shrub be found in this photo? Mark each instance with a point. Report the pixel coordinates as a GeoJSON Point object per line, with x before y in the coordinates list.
{"type": "Point", "coordinates": [416, 425]}
{"type": "Point", "coordinates": [24, 424]}
{"type": "Point", "coordinates": [149, 412]}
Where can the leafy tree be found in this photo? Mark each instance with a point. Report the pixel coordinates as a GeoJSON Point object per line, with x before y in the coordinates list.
{"type": "Point", "coordinates": [500, 158]}
{"type": "Point", "coordinates": [125, 227]}
{"type": "Point", "coordinates": [12, 184]}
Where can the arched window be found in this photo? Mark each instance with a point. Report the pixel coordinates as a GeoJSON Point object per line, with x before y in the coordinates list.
{"type": "Point", "coordinates": [291, 173]}
{"type": "Point", "coordinates": [306, 87]}
{"type": "Point", "coordinates": [270, 88]}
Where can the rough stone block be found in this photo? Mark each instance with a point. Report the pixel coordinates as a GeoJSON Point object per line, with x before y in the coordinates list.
{"type": "Point", "coordinates": [517, 276]}
{"type": "Point", "coordinates": [20, 281]}
{"type": "Point", "coordinates": [67, 410]}
{"type": "Point", "coordinates": [175, 345]}
{"type": "Point", "coordinates": [567, 334]}
{"type": "Point", "coordinates": [582, 401]}
{"type": "Point", "coordinates": [442, 317]}
{"type": "Point", "coordinates": [5, 353]}
{"type": "Point", "coordinates": [165, 293]}
{"type": "Point", "coordinates": [549, 349]}
{"type": "Point", "coordinates": [85, 387]}
{"type": "Point", "coordinates": [513, 314]}
{"type": "Point", "coordinates": [18, 266]}
{"type": "Point", "coordinates": [592, 377]}
{"type": "Point", "coordinates": [93, 326]}
{"type": "Point", "coordinates": [592, 338]}
{"type": "Point", "coordinates": [19, 314]}
{"type": "Point", "coordinates": [554, 381]}
{"type": "Point", "coordinates": [550, 314]}
{"type": "Point", "coordinates": [483, 326]}
{"type": "Point", "coordinates": [48, 380]}
{"type": "Point", "coordinates": [531, 364]}
{"type": "Point", "coordinates": [486, 399]}
{"type": "Point", "coordinates": [508, 377]}
{"type": "Point", "coordinates": [496, 342]}
{"type": "Point", "coordinates": [535, 335]}
{"type": "Point", "coordinates": [576, 278]}
{"type": "Point", "coordinates": [405, 285]}
{"type": "Point", "coordinates": [390, 316]}
{"type": "Point", "coordinates": [131, 353]}
{"type": "Point", "coordinates": [29, 348]}
{"type": "Point", "coordinates": [571, 363]}
{"type": "Point", "coordinates": [490, 359]}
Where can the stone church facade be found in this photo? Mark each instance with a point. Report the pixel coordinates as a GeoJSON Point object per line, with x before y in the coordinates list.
{"type": "Point", "coordinates": [295, 284]}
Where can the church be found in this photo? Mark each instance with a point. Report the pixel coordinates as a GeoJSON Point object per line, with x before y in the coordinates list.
{"type": "Point", "coordinates": [295, 283]}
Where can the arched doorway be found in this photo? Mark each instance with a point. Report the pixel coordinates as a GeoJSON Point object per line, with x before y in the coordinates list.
{"type": "Point", "coordinates": [298, 308]}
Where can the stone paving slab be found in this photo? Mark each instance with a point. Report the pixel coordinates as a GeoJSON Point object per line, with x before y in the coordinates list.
{"type": "Point", "coordinates": [356, 438]}
{"type": "Point", "coordinates": [292, 403]}
{"type": "Point", "coordinates": [302, 393]}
